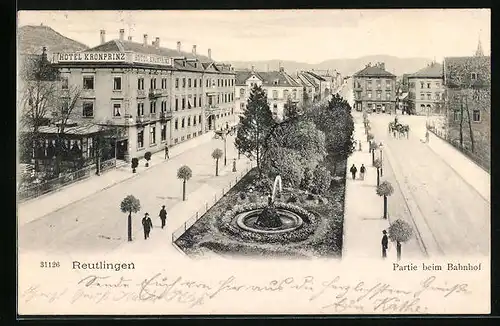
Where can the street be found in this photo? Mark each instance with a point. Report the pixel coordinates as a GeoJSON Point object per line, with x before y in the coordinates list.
{"type": "Point", "coordinates": [454, 215]}
{"type": "Point", "coordinates": [97, 224]}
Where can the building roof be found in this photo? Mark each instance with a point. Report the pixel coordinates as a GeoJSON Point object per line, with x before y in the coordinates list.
{"type": "Point", "coordinates": [122, 46]}
{"type": "Point", "coordinates": [309, 79]}
{"type": "Point", "coordinates": [82, 129]}
{"type": "Point", "coordinates": [458, 71]}
{"type": "Point", "coordinates": [304, 81]}
{"type": "Point", "coordinates": [268, 78]}
{"type": "Point", "coordinates": [314, 75]}
{"type": "Point", "coordinates": [373, 71]}
{"type": "Point", "coordinates": [434, 70]}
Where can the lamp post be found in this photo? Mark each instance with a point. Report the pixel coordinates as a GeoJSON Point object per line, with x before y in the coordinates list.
{"type": "Point", "coordinates": [222, 134]}
{"type": "Point", "coordinates": [381, 146]}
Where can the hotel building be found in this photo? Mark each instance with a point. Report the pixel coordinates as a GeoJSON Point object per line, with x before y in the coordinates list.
{"type": "Point", "coordinates": [374, 89]}
{"type": "Point", "coordinates": [161, 96]}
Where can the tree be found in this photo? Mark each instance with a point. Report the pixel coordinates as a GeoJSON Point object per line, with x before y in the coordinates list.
{"type": "Point", "coordinates": [334, 119]}
{"type": "Point", "coordinates": [38, 82]}
{"type": "Point", "coordinates": [147, 157]}
{"type": "Point", "coordinates": [385, 189]}
{"type": "Point", "coordinates": [291, 110]}
{"type": "Point", "coordinates": [216, 155]}
{"type": "Point", "coordinates": [321, 180]}
{"type": "Point", "coordinates": [255, 123]}
{"type": "Point", "coordinates": [400, 232]}
{"type": "Point", "coordinates": [373, 148]}
{"type": "Point", "coordinates": [291, 147]}
{"type": "Point", "coordinates": [378, 164]}
{"type": "Point", "coordinates": [130, 205]}
{"type": "Point", "coordinates": [185, 174]}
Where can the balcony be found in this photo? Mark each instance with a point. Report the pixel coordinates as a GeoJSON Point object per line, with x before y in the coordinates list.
{"type": "Point", "coordinates": [154, 93]}
{"type": "Point", "coordinates": [166, 116]}
{"type": "Point", "coordinates": [142, 119]}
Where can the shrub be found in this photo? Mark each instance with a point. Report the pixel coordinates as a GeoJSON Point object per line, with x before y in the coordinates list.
{"type": "Point", "coordinates": [135, 163]}
{"type": "Point", "coordinates": [243, 195]}
{"type": "Point", "coordinates": [147, 157]}
{"type": "Point", "coordinates": [321, 180]}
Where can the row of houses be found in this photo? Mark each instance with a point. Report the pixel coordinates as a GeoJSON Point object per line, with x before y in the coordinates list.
{"type": "Point", "coordinates": [157, 96]}
{"type": "Point", "coordinates": [457, 92]}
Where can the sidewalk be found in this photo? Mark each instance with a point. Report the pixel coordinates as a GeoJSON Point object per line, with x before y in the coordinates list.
{"type": "Point", "coordinates": [160, 241]}
{"type": "Point", "coordinates": [473, 174]}
{"type": "Point", "coordinates": [54, 201]}
{"type": "Point", "coordinates": [363, 214]}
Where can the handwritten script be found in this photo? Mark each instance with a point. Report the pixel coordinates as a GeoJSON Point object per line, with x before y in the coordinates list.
{"type": "Point", "coordinates": [326, 295]}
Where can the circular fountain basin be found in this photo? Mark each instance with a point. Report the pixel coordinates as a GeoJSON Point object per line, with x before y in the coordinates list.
{"type": "Point", "coordinates": [290, 221]}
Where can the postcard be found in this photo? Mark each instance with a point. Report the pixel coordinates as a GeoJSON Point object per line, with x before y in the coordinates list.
{"type": "Point", "coordinates": [253, 162]}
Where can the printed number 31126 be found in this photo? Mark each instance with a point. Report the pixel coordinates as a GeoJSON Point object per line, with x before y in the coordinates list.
{"type": "Point", "coordinates": [49, 264]}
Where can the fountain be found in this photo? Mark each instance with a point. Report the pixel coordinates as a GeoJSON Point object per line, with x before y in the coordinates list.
{"type": "Point", "coordinates": [270, 219]}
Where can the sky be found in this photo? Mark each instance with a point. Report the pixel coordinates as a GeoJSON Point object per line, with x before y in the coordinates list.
{"type": "Point", "coordinates": [309, 36]}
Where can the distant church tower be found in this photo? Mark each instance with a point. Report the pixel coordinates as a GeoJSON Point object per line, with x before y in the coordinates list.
{"type": "Point", "coordinates": [479, 51]}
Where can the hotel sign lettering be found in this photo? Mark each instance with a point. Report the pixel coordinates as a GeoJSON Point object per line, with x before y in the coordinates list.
{"type": "Point", "coordinates": [91, 57]}
{"type": "Point", "coordinates": [152, 59]}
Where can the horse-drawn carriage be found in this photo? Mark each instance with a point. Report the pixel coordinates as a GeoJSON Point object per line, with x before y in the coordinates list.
{"type": "Point", "coordinates": [398, 130]}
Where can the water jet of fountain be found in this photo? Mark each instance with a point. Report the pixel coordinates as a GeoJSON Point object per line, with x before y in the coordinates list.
{"type": "Point", "coordinates": [277, 181]}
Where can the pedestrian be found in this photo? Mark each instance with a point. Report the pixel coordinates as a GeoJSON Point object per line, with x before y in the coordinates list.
{"type": "Point", "coordinates": [359, 142]}
{"type": "Point", "coordinates": [163, 216]}
{"type": "Point", "coordinates": [147, 225]}
{"type": "Point", "coordinates": [166, 152]}
{"type": "Point", "coordinates": [385, 244]}
{"type": "Point", "coordinates": [427, 136]}
{"type": "Point", "coordinates": [362, 171]}
{"type": "Point", "coordinates": [353, 171]}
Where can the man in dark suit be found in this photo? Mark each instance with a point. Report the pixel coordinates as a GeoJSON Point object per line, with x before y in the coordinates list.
{"type": "Point", "coordinates": [147, 224]}
{"type": "Point", "coordinates": [385, 244]}
{"type": "Point", "coordinates": [163, 216]}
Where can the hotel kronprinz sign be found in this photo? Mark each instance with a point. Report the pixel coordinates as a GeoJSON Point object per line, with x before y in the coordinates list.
{"type": "Point", "coordinates": [112, 57]}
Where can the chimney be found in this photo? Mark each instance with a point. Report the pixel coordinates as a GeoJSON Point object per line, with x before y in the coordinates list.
{"type": "Point", "coordinates": [381, 65]}
{"type": "Point", "coordinates": [209, 54]}
{"type": "Point", "coordinates": [282, 69]}
{"type": "Point", "coordinates": [122, 34]}
{"type": "Point", "coordinates": [103, 36]}
{"type": "Point", "coordinates": [157, 43]}
{"type": "Point", "coordinates": [130, 38]}
{"type": "Point", "coordinates": [253, 68]}
{"type": "Point", "coordinates": [145, 39]}
{"type": "Point", "coordinates": [194, 50]}
{"type": "Point", "coordinates": [178, 46]}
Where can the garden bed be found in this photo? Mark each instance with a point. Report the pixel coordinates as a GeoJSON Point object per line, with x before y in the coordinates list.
{"type": "Point", "coordinates": [324, 241]}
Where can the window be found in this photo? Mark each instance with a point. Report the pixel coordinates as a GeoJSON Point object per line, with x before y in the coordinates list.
{"type": "Point", "coordinates": [177, 83]}
{"type": "Point", "coordinates": [189, 121]}
{"type": "Point", "coordinates": [88, 109]}
{"type": "Point", "coordinates": [189, 82]}
{"type": "Point", "coordinates": [437, 96]}
{"type": "Point", "coordinates": [117, 110]}
{"type": "Point", "coordinates": [176, 124]}
{"type": "Point", "coordinates": [164, 83]}
{"type": "Point", "coordinates": [275, 94]}
{"type": "Point", "coordinates": [199, 102]}
{"type": "Point", "coordinates": [195, 83]}
{"type": "Point", "coordinates": [422, 107]}
{"type": "Point", "coordinates": [88, 82]}
{"type": "Point", "coordinates": [358, 95]}
{"type": "Point", "coordinates": [456, 115]}
{"type": "Point", "coordinates": [428, 96]}
{"type": "Point", "coordinates": [285, 93]}
{"type": "Point", "coordinates": [473, 76]}
{"type": "Point", "coordinates": [242, 92]}
{"type": "Point", "coordinates": [438, 84]}
{"type": "Point", "coordinates": [369, 85]}
{"type": "Point", "coordinates": [421, 84]}
{"type": "Point", "coordinates": [183, 102]}
{"type": "Point", "coordinates": [200, 83]}
{"type": "Point", "coordinates": [152, 135]}
{"type": "Point", "coordinates": [183, 82]}
{"type": "Point", "coordinates": [117, 83]}
{"type": "Point", "coordinates": [207, 83]}
{"type": "Point", "coordinates": [476, 115]}
{"type": "Point", "coordinates": [194, 121]}
{"type": "Point", "coordinates": [140, 139]}
{"type": "Point", "coordinates": [140, 83]}
{"type": "Point", "coordinates": [428, 85]}
{"type": "Point", "coordinates": [152, 107]}
{"type": "Point", "coordinates": [412, 85]}
{"type": "Point", "coordinates": [194, 101]}
{"type": "Point", "coordinates": [163, 132]}
{"type": "Point", "coordinates": [388, 96]}
{"type": "Point", "coordinates": [218, 82]}
{"type": "Point", "coordinates": [64, 83]}
{"type": "Point", "coordinates": [422, 96]}
{"type": "Point", "coordinates": [182, 123]}
{"type": "Point", "coordinates": [369, 95]}
{"type": "Point", "coordinates": [140, 109]}
{"type": "Point", "coordinates": [378, 83]}
{"type": "Point", "coordinates": [199, 118]}
{"type": "Point", "coordinates": [370, 107]}
{"type": "Point", "coordinates": [387, 84]}
{"type": "Point", "coordinates": [379, 95]}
